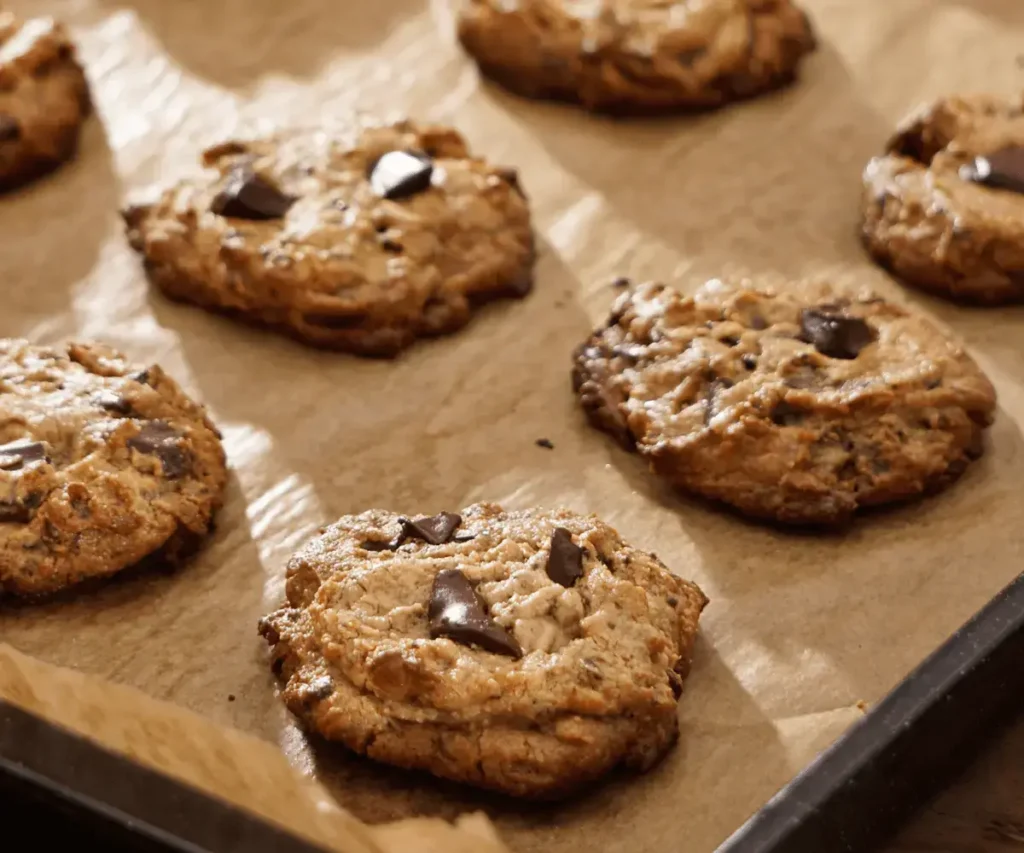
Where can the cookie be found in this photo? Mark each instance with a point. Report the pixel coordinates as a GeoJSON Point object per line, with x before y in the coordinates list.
{"type": "Point", "coordinates": [528, 652]}
{"type": "Point", "coordinates": [944, 206]}
{"type": "Point", "coordinates": [102, 464]}
{"type": "Point", "coordinates": [641, 56]}
{"type": "Point", "coordinates": [795, 407]}
{"type": "Point", "coordinates": [361, 241]}
{"type": "Point", "coordinates": [44, 98]}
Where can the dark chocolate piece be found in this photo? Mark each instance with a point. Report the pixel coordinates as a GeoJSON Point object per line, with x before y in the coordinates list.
{"type": "Point", "coordinates": [621, 282]}
{"type": "Point", "coordinates": [545, 443]}
{"type": "Point", "coordinates": [565, 562]}
{"type": "Point", "coordinates": [400, 174]}
{"type": "Point", "coordinates": [14, 513]}
{"type": "Point", "coordinates": [114, 403]}
{"type": "Point", "coordinates": [786, 414]}
{"type": "Point", "coordinates": [434, 530]}
{"type": "Point", "coordinates": [1003, 170]}
{"type": "Point", "coordinates": [458, 613]}
{"type": "Point", "coordinates": [250, 196]}
{"type": "Point", "coordinates": [377, 545]}
{"type": "Point", "coordinates": [10, 130]}
{"type": "Point", "coordinates": [834, 334]}
{"type": "Point", "coordinates": [159, 439]}
{"type": "Point", "coordinates": [511, 177]}
{"type": "Point", "coordinates": [17, 454]}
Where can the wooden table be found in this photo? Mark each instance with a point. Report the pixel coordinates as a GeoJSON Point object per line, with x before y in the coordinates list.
{"type": "Point", "coordinates": [982, 813]}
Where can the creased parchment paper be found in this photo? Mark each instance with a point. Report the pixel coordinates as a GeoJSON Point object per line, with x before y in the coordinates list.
{"type": "Point", "coordinates": [221, 762]}
{"type": "Point", "coordinates": [800, 627]}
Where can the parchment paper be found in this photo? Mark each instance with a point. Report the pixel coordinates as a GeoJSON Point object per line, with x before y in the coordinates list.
{"type": "Point", "coordinates": [800, 627]}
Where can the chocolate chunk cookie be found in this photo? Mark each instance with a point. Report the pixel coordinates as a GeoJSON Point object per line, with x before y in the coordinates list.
{"type": "Point", "coordinates": [944, 207]}
{"type": "Point", "coordinates": [637, 56]}
{"type": "Point", "coordinates": [101, 465]}
{"type": "Point", "coordinates": [798, 408]}
{"type": "Point", "coordinates": [528, 652]}
{"type": "Point", "coordinates": [44, 98]}
{"type": "Point", "coordinates": [361, 242]}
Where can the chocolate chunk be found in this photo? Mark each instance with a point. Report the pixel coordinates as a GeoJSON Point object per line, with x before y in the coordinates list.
{"type": "Point", "coordinates": [115, 403]}
{"type": "Point", "coordinates": [14, 513]}
{"type": "Point", "coordinates": [15, 455]}
{"type": "Point", "coordinates": [545, 443]}
{"type": "Point", "coordinates": [458, 613]}
{"type": "Point", "coordinates": [249, 196]}
{"type": "Point", "coordinates": [400, 174]}
{"type": "Point", "coordinates": [464, 537]}
{"type": "Point", "coordinates": [1003, 170]}
{"type": "Point", "coordinates": [565, 562]}
{"type": "Point", "coordinates": [621, 282]}
{"type": "Point", "coordinates": [786, 414]}
{"type": "Point", "coordinates": [10, 130]}
{"type": "Point", "coordinates": [672, 601]}
{"type": "Point", "coordinates": [511, 177]}
{"type": "Point", "coordinates": [377, 545]}
{"type": "Point", "coordinates": [835, 334]}
{"type": "Point", "coordinates": [159, 439]}
{"type": "Point", "coordinates": [319, 688]}
{"type": "Point", "coordinates": [434, 530]}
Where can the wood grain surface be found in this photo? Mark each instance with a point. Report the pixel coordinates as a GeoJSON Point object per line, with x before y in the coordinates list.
{"type": "Point", "coordinates": [981, 813]}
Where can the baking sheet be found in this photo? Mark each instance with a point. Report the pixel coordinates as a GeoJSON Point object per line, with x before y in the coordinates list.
{"type": "Point", "coordinates": [801, 628]}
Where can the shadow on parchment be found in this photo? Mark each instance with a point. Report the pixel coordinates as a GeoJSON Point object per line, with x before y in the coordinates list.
{"type": "Point", "coordinates": [53, 230]}
{"type": "Point", "coordinates": [845, 595]}
{"type": "Point", "coordinates": [713, 187]}
{"type": "Point", "coordinates": [235, 42]}
{"type": "Point", "coordinates": [1009, 11]}
{"type": "Point", "coordinates": [184, 635]}
{"type": "Point", "coordinates": [599, 817]}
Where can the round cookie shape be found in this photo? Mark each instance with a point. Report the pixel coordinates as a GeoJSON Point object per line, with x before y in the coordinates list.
{"type": "Point", "coordinates": [528, 652]}
{"type": "Point", "coordinates": [943, 208]}
{"type": "Point", "coordinates": [637, 56]}
{"type": "Point", "coordinates": [797, 408]}
{"type": "Point", "coordinates": [361, 240]}
{"type": "Point", "coordinates": [44, 98]}
{"type": "Point", "coordinates": [102, 463]}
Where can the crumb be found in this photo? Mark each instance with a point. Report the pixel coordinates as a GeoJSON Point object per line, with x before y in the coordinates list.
{"type": "Point", "coordinates": [862, 706]}
{"type": "Point", "coordinates": [621, 282]}
{"type": "Point", "coordinates": [231, 697]}
{"type": "Point", "coordinates": [545, 443]}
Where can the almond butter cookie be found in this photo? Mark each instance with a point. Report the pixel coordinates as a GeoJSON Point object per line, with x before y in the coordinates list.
{"type": "Point", "coordinates": [360, 241]}
{"type": "Point", "coordinates": [794, 407]}
{"type": "Point", "coordinates": [637, 56]}
{"type": "Point", "coordinates": [44, 98]}
{"type": "Point", "coordinates": [102, 463]}
{"type": "Point", "coordinates": [944, 206]}
{"type": "Point", "coordinates": [529, 652]}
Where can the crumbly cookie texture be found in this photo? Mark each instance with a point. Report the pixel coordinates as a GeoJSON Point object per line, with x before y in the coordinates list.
{"type": "Point", "coordinates": [637, 56]}
{"type": "Point", "coordinates": [361, 240]}
{"type": "Point", "coordinates": [44, 98]}
{"type": "Point", "coordinates": [799, 408]}
{"type": "Point", "coordinates": [528, 652]}
{"type": "Point", "coordinates": [102, 463]}
{"type": "Point", "coordinates": [944, 206]}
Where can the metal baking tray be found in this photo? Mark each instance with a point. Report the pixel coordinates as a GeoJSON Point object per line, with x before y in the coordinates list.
{"type": "Point", "coordinates": [56, 786]}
